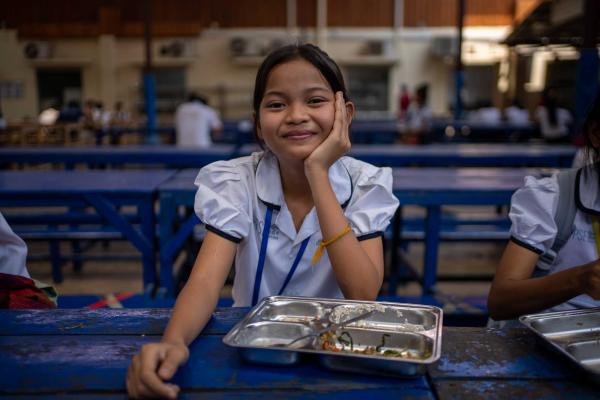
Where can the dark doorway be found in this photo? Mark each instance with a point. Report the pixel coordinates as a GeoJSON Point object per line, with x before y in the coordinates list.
{"type": "Point", "coordinates": [170, 89]}
{"type": "Point", "coordinates": [57, 87]}
{"type": "Point", "coordinates": [368, 87]}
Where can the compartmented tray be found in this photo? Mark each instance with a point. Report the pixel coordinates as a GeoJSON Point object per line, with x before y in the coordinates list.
{"type": "Point", "coordinates": [397, 338]}
{"type": "Point", "coordinates": [575, 333]}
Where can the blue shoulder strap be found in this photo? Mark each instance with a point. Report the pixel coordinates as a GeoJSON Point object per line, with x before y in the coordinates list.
{"type": "Point", "coordinates": [262, 255]}
{"type": "Point", "coordinates": [564, 217]}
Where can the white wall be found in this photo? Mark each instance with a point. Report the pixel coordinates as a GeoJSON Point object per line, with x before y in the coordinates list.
{"type": "Point", "coordinates": [111, 67]}
{"type": "Point", "coordinates": [14, 68]}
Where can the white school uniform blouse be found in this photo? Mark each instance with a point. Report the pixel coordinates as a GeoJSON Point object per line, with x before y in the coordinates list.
{"type": "Point", "coordinates": [532, 214]}
{"type": "Point", "coordinates": [13, 251]}
{"type": "Point", "coordinates": [232, 201]}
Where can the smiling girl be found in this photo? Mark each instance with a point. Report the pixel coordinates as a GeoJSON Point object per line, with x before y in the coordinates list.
{"type": "Point", "coordinates": [299, 218]}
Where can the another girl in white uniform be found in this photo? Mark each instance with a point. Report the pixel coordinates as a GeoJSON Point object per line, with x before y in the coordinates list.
{"type": "Point", "coordinates": [573, 279]}
{"type": "Point", "coordinates": [275, 212]}
{"type": "Point", "coordinates": [13, 251]}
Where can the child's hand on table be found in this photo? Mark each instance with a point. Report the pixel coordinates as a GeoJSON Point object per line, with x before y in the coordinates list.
{"type": "Point", "coordinates": [156, 363]}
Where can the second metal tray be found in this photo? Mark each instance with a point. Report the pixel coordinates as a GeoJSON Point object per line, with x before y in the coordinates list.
{"type": "Point", "coordinates": [575, 333]}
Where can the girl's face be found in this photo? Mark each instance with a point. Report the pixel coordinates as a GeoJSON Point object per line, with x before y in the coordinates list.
{"type": "Point", "coordinates": [297, 110]}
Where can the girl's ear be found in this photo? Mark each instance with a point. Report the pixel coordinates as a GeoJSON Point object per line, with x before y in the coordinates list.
{"type": "Point", "coordinates": [350, 111]}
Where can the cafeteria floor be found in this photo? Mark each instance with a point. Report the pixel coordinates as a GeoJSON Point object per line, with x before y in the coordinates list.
{"type": "Point", "coordinates": [102, 277]}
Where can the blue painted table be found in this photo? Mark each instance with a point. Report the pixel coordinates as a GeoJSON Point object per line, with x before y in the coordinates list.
{"type": "Point", "coordinates": [466, 155]}
{"type": "Point", "coordinates": [428, 187]}
{"type": "Point", "coordinates": [166, 156]}
{"type": "Point", "coordinates": [85, 354]}
{"type": "Point", "coordinates": [105, 191]}
{"type": "Point", "coordinates": [459, 155]}
{"type": "Point", "coordinates": [469, 131]}
{"type": "Point", "coordinates": [474, 155]}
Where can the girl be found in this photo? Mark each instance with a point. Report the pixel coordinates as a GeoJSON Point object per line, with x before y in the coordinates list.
{"type": "Point", "coordinates": [275, 211]}
{"type": "Point", "coordinates": [571, 277]}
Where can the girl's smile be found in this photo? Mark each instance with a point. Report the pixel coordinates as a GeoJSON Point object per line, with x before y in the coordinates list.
{"type": "Point", "coordinates": [298, 134]}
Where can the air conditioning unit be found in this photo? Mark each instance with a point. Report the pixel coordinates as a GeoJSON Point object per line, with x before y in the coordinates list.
{"type": "Point", "coordinates": [373, 48]}
{"type": "Point", "coordinates": [238, 46]}
{"type": "Point", "coordinates": [177, 49]}
{"type": "Point", "coordinates": [444, 46]}
{"type": "Point", "coordinates": [254, 47]}
{"type": "Point", "coordinates": [37, 50]}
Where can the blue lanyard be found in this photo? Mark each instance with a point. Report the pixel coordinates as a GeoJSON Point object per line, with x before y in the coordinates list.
{"type": "Point", "coordinates": [263, 253]}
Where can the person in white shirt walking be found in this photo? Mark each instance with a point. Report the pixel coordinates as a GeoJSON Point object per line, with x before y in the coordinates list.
{"type": "Point", "coordinates": [195, 122]}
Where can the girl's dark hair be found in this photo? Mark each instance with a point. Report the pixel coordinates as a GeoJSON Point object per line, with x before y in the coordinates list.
{"type": "Point", "coordinates": [309, 52]}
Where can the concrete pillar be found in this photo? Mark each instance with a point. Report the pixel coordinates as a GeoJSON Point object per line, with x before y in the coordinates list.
{"type": "Point", "coordinates": [322, 24]}
{"type": "Point", "coordinates": [107, 70]}
{"type": "Point", "coordinates": [396, 76]}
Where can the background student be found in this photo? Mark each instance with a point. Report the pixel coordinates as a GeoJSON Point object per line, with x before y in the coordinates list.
{"type": "Point", "coordinates": [17, 289]}
{"type": "Point", "coordinates": [554, 121]}
{"type": "Point", "coordinates": [196, 122]}
{"type": "Point", "coordinates": [539, 271]}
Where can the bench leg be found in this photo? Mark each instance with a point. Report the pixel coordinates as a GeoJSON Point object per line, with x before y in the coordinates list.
{"type": "Point", "coordinates": [55, 261]}
{"type": "Point", "coordinates": [76, 249]}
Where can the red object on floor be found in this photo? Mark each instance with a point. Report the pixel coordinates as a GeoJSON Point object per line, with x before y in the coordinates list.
{"type": "Point", "coordinates": [105, 302]}
{"type": "Point", "coordinates": [18, 292]}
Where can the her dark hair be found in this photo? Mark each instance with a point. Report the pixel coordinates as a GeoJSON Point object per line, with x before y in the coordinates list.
{"type": "Point", "coordinates": [308, 52]}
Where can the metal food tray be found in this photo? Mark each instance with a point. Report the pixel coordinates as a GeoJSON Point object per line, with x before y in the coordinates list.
{"type": "Point", "coordinates": [398, 338]}
{"type": "Point", "coordinates": [575, 333]}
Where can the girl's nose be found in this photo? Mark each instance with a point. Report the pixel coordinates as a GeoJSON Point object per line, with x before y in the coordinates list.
{"type": "Point", "coordinates": [296, 113]}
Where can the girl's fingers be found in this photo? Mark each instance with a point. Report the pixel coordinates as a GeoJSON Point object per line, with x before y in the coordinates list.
{"type": "Point", "coordinates": [338, 123]}
{"type": "Point", "coordinates": [344, 111]}
{"type": "Point", "coordinates": [345, 123]}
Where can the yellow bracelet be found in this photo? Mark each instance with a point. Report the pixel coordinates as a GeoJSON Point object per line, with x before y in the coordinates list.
{"type": "Point", "coordinates": [325, 243]}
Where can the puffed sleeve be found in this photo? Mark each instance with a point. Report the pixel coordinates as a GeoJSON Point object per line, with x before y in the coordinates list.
{"type": "Point", "coordinates": [373, 204]}
{"type": "Point", "coordinates": [13, 251]}
{"type": "Point", "coordinates": [532, 214]}
{"type": "Point", "coordinates": [222, 202]}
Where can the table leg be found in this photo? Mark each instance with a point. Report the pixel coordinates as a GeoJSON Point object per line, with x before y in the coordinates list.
{"type": "Point", "coordinates": [148, 224]}
{"type": "Point", "coordinates": [395, 257]}
{"type": "Point", "coordinates": [166, 218]}
{"type": "Point", "coordinates": [56, 261]}
{"type": "Point", "coordinates": [170, 248]}
{"type": "Point", "coordinates": [432, 241]}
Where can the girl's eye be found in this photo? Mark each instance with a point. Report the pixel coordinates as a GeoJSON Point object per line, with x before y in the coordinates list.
{"type": "Point", "coordinates": [316, 100]}
{"type": "Point", "coordinates": [275, 105]}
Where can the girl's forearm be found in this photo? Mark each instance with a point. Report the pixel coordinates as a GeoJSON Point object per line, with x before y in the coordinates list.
{"type": "Point", "coordinates": [513, 298]}
{"type": "Point", "coordinates": [355, 272]}
{"type": "Point", "coordinates": [199, 297]}
{"type": "Point", "coordinates": [192, 311]}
